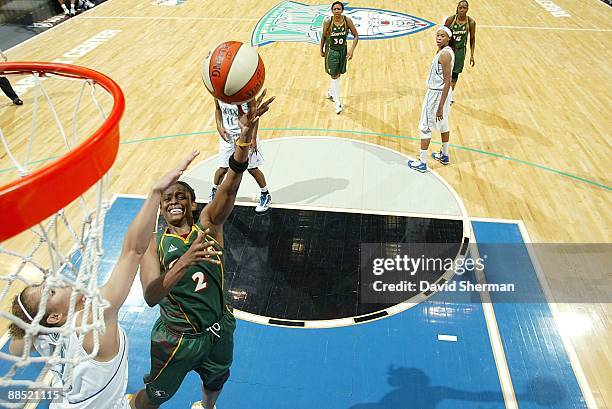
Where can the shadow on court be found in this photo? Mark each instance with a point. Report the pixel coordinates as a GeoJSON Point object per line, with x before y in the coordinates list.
{"type": "Point", "coordinates": [413, 390]}
{"type": "Point", "coordinates": [307, 191]}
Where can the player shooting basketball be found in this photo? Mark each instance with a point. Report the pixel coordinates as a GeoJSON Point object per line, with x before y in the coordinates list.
{"type": "Point", "coordinates": [196, 326]}
{"type": "Point", "coordinates": [101, 382]}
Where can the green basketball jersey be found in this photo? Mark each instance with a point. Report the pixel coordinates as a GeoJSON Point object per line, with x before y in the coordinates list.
{"type": "Point", "coordinates": [460, 32]}
{"type": "Point", "coordinates": [196, 301]}
{"type": "Point", "coordinates": [337, 35]}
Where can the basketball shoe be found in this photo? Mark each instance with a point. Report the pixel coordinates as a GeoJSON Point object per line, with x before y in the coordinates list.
{"type": "Point", "coordinates": [330, 96]}
{"type": "Point", "coordinates": [417, 165]}
{"type": "Point", "coordinates": [339, 107]}
{"type": "Point", "coordinates": [264, 202]}
{"type": "Point", "coordinates": [440, 157]}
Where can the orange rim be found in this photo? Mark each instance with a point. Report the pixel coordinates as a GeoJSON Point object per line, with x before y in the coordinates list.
{"type": "Point", "coordinates": [33, 198]}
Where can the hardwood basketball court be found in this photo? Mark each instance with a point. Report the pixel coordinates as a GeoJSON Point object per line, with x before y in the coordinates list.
{"type": "Point", "coordinates": [529, 128]}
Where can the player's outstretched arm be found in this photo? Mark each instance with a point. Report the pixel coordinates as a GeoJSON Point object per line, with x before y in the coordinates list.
{"type": "Point", "coordinates": [217, 211]}
{"type": "Point", "coordinates": [135, 243]}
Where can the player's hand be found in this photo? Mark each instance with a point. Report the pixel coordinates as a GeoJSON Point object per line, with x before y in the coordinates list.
{"type": "Point", "coordinates": [322, 53]}
{"type": "Point", "coordinates": [224, 135]}
{"type": "Point", "coordinates": [201, 250]}
{"type": "Point", "coordinates": [439, 114]}
{"type": "Point", "coordinates": [171, 177]}
{"type": "Point", "coordinates": [472, 61]}
{"type": "Point", "coordinates": [257, 107]}
{"type": "Point", "coordinates": [349, 55]}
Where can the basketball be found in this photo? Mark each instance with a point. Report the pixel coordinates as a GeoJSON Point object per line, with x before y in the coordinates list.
{"type": "Point", "coordinates": [233, 72]}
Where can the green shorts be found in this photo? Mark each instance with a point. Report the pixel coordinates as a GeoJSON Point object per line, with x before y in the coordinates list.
{"type": "Point", "coordinates": [335, 62]}
{"type": "Point", "coordinates": [459, 61]}
{"type": "Point", "coordinates": [174, 354]}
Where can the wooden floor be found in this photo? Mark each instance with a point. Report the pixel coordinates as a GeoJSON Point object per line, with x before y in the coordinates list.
{"type": "Point", "coordinates": [530, 123]}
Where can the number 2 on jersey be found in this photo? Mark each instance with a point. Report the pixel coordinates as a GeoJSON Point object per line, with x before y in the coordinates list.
{"type": "Point", "coordinates": [200, 281]}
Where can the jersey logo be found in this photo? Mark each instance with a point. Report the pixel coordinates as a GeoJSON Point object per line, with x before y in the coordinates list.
{"type": "Point", "coordinates": [291, 21]}
{"type": "Point", "coordinates": [172, 248]}
{"type": "Point", "coordinates": [159, 393]}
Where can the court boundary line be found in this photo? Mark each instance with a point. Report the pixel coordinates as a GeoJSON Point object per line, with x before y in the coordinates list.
{"type": "Point", "coordinates": [568, 344]}
{"type": "Point", "coordinates": [497, 346]}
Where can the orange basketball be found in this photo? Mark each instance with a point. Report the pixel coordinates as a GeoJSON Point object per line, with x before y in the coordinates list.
{"type": "Point", "coordinates": [233, 72]}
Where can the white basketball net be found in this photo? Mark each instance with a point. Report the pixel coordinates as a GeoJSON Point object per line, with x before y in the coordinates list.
{"type": "Point", "coordinates": [65, 249]}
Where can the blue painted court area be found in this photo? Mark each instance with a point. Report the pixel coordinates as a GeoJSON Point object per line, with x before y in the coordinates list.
{"type": "Point", "coordinates": [397, 362]}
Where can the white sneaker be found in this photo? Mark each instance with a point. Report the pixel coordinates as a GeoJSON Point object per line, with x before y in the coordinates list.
{"type": "Point", "coordinates": [264, 203]}
{"type": "Point", "coordinates": [198, 405]}
{"type": "Point", "coordinates": [339, 108]}
{"type": "Point", "coordinates": [72, 11]}
{"type": "Point", "coordinates": [330, 96]}
{"type": "Point", "coordinates": [89, 5]}
{"type": "Point", "coordinates": [66, 12]}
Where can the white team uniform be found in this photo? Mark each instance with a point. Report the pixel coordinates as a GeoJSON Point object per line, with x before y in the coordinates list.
{"type": "Point", "coordinates": [435, 84]}
{"type": "Point", "coordinates": [229, 112]}
{"type": "Point", "coordinates": [94, 384]}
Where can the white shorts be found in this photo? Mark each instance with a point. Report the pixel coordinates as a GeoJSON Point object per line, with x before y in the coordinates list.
{"type": "Point", "coordinates": [428, 121]}
{"type": "Point", "coordinates": [226, 149]}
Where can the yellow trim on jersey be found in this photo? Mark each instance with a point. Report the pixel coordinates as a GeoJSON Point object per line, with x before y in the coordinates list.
{"type": "Point", "coordinates": [186, 240]}
{"type": "Point", "coordinates": [209, 236]}
{"type": "Point", "coordinates": [185, 315]}
{"type": "Point", "coordinates": [467, 23]}
{"type": "Point", "coordinates": [169, 359]}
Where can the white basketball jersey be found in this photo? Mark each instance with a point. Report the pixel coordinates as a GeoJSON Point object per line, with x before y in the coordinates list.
{"type": "Point", "coordinates": [229, 112]}
{"type": "Point", "coordinates": [435, 80]}
{"type": "Point", "coordinates": [96, 384]}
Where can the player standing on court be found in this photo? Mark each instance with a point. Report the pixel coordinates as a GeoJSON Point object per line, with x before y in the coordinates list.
{"type": "Point", "coordinates": [334, 49]}
{"type": "Point", "coordinates": [226, 116]}
{"type": "Point", "coordinates": [196, 326]}
{"type": "Point", "coordinates": [436, 105]}
{"type": "Point", "coordinates": [460, 24]}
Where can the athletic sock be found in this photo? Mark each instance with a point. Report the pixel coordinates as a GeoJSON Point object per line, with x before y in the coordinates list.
{"type": "Point", "coordinates": [445, 148]}
{"type": "Point", "coordinates": [264, 190]}
{"type": "Point", "coordinates": [423, 156]}
{"type": "Point", "coordinates": [336, 90]}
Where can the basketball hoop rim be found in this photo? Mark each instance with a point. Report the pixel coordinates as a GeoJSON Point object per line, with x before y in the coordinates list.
{"type": "Point", "coordinates": [33, 198]}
